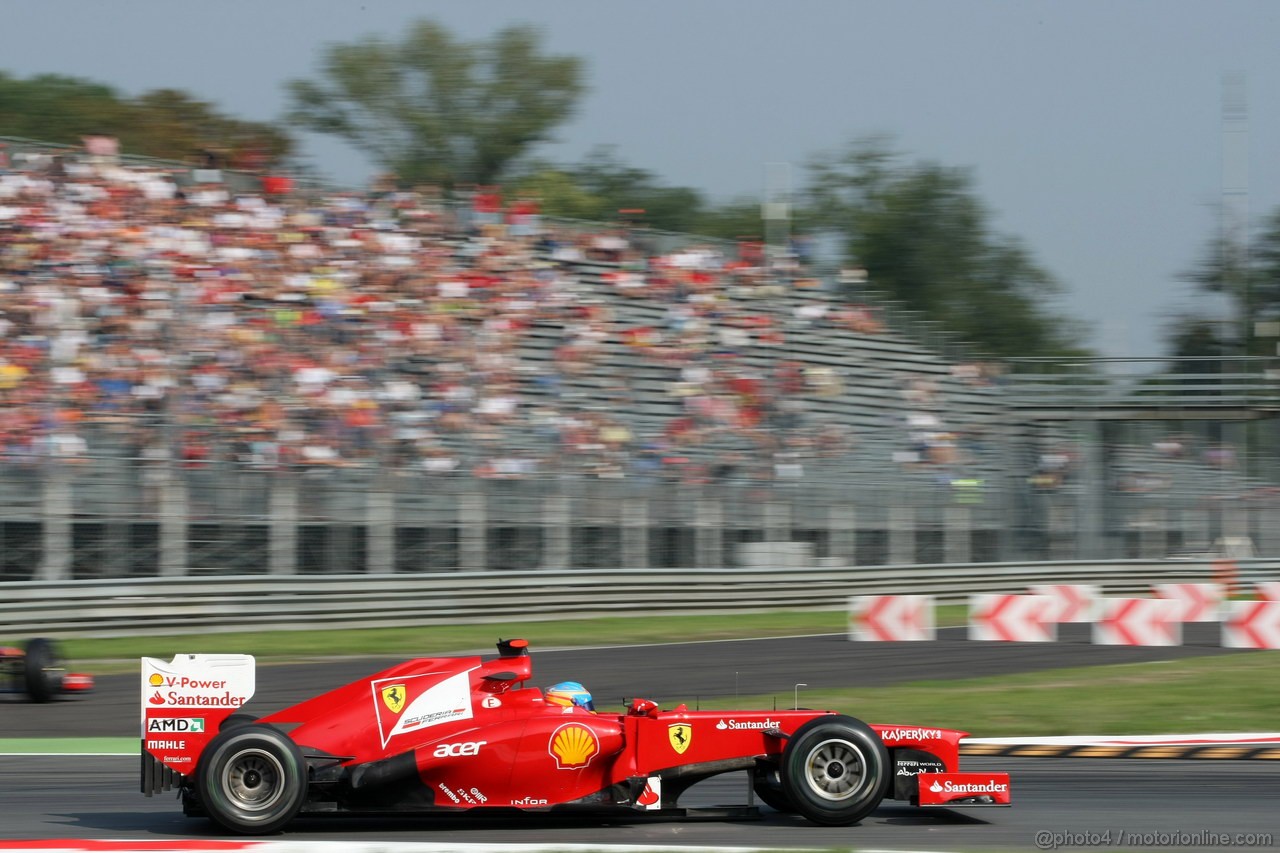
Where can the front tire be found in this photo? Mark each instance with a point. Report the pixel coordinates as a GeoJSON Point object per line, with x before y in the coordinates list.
{"type": "Point", "coordinates": [252, 779]}
{"type": "Point", "coordinates": [835, 770]}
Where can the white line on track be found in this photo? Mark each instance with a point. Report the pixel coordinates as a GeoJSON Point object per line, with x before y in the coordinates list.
{"type": "Point", "coordinates": [1188, 739]}
{"type": "Point", "coordinates": [286, 846]}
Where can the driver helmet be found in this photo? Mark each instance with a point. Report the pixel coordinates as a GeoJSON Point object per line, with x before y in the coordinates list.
{"type": "Point", "coordinates": [570, 693]}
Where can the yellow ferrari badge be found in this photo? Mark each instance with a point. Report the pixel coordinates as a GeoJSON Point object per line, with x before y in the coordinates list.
{"type": "Point", "coordinates": [680, 735]}
{"type": "Point", "coordinates": [393, 696]}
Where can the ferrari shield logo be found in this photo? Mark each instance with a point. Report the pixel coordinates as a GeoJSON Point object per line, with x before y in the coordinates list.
{"type": "Point", "coordinates": [680, 735]}
{"type": "Point", "coordinates": [393, 697]}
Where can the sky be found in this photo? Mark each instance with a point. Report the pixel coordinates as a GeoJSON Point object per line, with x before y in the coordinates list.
{"type": "Point", "coordinates": [1092, 128]}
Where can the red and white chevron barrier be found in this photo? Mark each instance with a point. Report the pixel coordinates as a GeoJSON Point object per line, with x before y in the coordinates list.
{"type": "Point", "coordinates": [891, 618]}
{"type": "Point", "coordinates": [1268, 590]}
{"type": "Point", "coordinates": [1073, 602]}
{"type": "Point", "coordinates": [1199, 602]}
{"type": "Point", "coordinates": [1251, 625]}
{"type": "Point", "coordinates": [1012, 618]}
{"type": "Point", "coordinates": [1138, 622]}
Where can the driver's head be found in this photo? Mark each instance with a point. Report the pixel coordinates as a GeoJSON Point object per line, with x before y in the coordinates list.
{"type": "Point", "coordinates": [568, 693]}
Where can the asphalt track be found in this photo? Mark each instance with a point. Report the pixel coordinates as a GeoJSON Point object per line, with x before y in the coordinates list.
{"type": "Point", "coordinates": [97, 797]}
{"type": "Point", "coordinates": [667, 674]}
{"type": "Point", "coordinates": [1110, 804]}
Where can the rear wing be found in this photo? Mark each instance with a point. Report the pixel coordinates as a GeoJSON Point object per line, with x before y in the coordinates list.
{"type": "Point", "coordinates": [184, 702]}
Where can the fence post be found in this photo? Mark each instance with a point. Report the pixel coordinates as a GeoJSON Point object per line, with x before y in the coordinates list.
{"type": "Point", "coordinates": [472, 530]}
{"type": "Point", "coordinates": [902, 535]}
{"type": "Point", "coordinates": [282, 544]}
{"type": "Point", "coordinates": [55, 511]}
{"type": "Point", "coordinates": [381, 526]}
{"type": "Point", "coordinates": [558, 531]}
{"type": "Point", "coordinates": [173, 523]}
{"type": "Point", "coordinates": [635, 533]}
{"type": "Point", "coordinates": [957, 534]}
{"type": "Point", "coordinates": [708, 531]}
{"type": "Point", "coordinates": [843, 521]}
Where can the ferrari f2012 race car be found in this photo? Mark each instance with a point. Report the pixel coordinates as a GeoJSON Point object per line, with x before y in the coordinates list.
{"type": "Point", "coordinates": [452, 734]}
{"type": "Point", "coordinates": [36, 671]}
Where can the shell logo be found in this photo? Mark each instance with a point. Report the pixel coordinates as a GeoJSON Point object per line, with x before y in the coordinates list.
{"type": "Point", "coordinates": [156, 679]}
{"type": "Point", "coordinates": [573, 745]}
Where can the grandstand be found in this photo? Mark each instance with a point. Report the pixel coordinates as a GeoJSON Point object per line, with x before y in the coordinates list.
{"type": "Point", "coordinates": [679, 407]}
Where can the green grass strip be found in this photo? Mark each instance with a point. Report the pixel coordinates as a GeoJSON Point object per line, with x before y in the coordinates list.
{"type": "Point", "coordinates": [69, 746]}
{"type": "Point", "coordinates": [276, 646]}
{"type": "Point", "coordinates": [1239, 693]}
{"type": "Point", "coordinates": [1236, 693]}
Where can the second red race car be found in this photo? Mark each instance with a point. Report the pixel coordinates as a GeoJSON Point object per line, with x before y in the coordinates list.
{"type": "Point", "coordinates": [452, 734]}
{"type": "Point", "coordinates": [35, 671]}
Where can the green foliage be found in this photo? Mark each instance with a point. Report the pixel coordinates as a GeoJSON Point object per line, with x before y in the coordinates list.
{"type": "Point", "coordinates": [59, 109]}
{"type": "Point", "coordinates": [1194, 337]}
{"type": "Point", "coordinates": [604, 189]}
{"type": "Point", "coordinates": [431, 108]}
{"type": "Point", "coordinates": [162, 123]}
{"type": "Point", "coordinates": [560, 195]}
{"type": "Point", "coordinates": [1265, 264]}
{"type": "Point", "coordinates": [1211, 694]}
{"type": "Point", "coordinates": [1249, 276]}
{"type": "Point", "coordinates": [170, 123]}
{"type": "Point", "coordinates": [737, 219]}
{"type": "Point", "coordinates": [925, 239]}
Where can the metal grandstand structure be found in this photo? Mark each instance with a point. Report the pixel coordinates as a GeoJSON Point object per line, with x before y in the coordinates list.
{"type": "Point", "coordinates": [1123, 490]}
{"type": "Point", "coordinates": [1049, 461]}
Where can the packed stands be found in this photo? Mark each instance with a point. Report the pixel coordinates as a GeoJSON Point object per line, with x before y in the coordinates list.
{"type": "Point", "coordinates": [155, 320]}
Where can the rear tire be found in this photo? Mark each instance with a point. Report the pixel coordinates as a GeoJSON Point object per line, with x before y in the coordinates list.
{"type": "Point", "coordinates": [252, 779]}
{"type": "Point", "coordinates": [237, 720]}
{"type": "Point", "coordinates": [42, 670]}
{"type": "Point", "coordinates": [835, 770]}
{"type": "Point", "coordinates": [768, 788]}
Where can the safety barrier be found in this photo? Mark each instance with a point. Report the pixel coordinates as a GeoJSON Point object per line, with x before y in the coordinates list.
{"type": "Point", "coordinates": [150, 606]}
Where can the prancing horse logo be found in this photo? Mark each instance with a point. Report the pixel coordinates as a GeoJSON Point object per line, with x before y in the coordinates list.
{"type": "Point", "coordinates": [680, 735]}
{"type": "Point", "coordinates": [393, 696]}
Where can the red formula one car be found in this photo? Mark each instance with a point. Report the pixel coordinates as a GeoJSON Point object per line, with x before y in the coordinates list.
{"type": "Point", "coordinates": [36, 671]}
{"type": "Point", "coordinates": [446, 735]}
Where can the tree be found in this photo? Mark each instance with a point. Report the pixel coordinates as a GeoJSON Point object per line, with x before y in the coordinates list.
{"type": "Point", "coordinates": [171, 123]}
{"type": "Point", "coordinates": [56, 108]}
{"type": "Point", "coordinates": [1265, 262]}
{"type": "Point", "coordinates": [1249, 277]}
{"type": "Point", "coordinates": [430, 108]}
{"type": "Point", "coordinates": [163, 123]}
{"type": "Point", "coordinates": [601, 187]}
{"type": "Point", "coordinates": [925, 240]}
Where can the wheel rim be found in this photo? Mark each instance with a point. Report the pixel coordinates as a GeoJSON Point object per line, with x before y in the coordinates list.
{"type": "Point", "coordinates": [254, 779]}
{"type": "Point", "coordinates": [835, 770]}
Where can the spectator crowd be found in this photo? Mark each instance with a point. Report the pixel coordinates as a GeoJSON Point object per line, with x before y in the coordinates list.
{"type": "Point", "coordinates": [147, 314]}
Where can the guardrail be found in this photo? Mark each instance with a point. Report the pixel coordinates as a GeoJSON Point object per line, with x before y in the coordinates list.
{"type": "Point", "coordinates": [153, 606]}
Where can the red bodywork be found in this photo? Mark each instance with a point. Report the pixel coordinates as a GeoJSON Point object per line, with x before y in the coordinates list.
{"type": "Point", "coordinates": [464, 732]}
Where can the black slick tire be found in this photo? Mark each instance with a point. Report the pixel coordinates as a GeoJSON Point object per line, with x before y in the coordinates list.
{"type": "Point", "coordinates": [251, 779]}
{"type": "Point", "coordinates": [237, 720]}
{"type": "Point", "coordinates": [768, 789]}
{"type": "Point", "coordinates": [42, 671]}
{"type": "Point", "coordinates": [835, 770]}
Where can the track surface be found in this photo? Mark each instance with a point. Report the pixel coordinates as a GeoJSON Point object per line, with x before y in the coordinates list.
{"type": "Point", "coordinates": [96, 797]}
{"type": "Point", "coordinates": [680, 672]}
{"type": "Point", "coordinates": [48, 797]}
